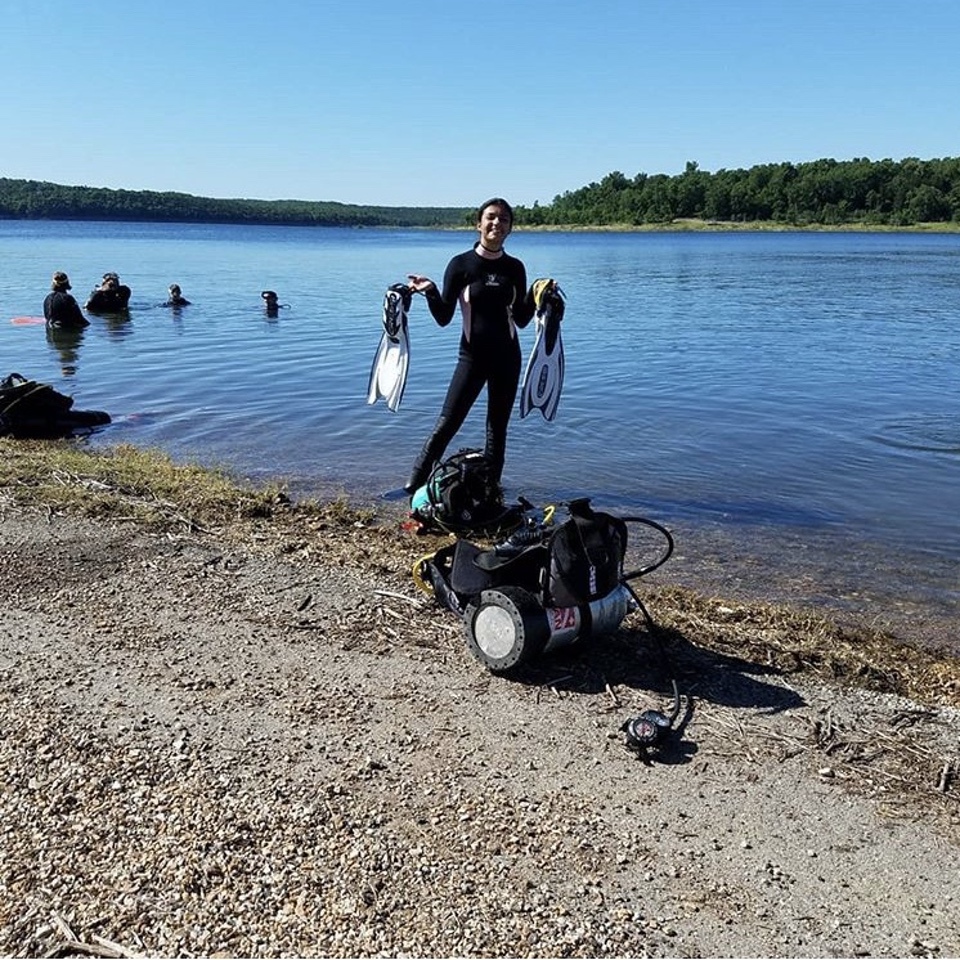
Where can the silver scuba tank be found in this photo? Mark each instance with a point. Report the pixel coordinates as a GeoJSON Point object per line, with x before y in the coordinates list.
{"type": "Point", "coordinates": [508, 625]}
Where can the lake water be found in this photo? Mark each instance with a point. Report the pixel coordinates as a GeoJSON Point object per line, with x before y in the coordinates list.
{"type": "Point", "coordinates": [787, 403]}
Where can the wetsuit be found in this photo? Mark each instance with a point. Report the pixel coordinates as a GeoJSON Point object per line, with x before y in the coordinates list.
{"type": "Point", "coordinates": [109, 301]}
{"type": "Point", "coordinates": [494, 300]}
{"type": "Point", "coordinates": [61, 310]}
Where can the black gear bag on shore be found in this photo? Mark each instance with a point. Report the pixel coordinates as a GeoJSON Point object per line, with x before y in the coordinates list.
{"type": "Point", "coordinates": [35, 411]}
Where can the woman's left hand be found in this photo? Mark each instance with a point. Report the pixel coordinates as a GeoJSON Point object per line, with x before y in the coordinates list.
{"type": "Point", "coordinates": [420, 284]}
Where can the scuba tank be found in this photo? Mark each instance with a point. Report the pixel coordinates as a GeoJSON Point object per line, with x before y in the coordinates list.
{"type": "Point", "coordinates": [509, 625]}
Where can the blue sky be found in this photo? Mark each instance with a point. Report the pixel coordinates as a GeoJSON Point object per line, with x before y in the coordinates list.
{"type": "Point", "coordinates": [439, 102]}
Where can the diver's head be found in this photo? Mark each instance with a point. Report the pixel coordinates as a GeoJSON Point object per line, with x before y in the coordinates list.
{"type": "Point", "coordinates": [494, 223]}
{"type": "Point", "coordinates": [60, 281]}
{"type": "Point", "coordinates": [505, 208]}
{"type": "Point", "coordinates": [174, 290]}
{"type": "Point", "coordinates": [269, 296]}
{"type": "Point", "coordinates": [110, 280]}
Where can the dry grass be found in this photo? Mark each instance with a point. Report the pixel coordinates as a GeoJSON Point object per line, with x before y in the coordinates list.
{"type": "Point", "coordinates": [125, 482]}
{"type": "Point", "coordinates": [790, 640]}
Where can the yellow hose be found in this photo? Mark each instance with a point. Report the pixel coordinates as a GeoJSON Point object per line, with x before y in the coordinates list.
{"type": "Point", "coordinates": [418, 575]}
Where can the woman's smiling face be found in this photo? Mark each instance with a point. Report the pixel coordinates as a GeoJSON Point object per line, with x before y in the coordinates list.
{"type": "Point", "coordinates": [494, 226]}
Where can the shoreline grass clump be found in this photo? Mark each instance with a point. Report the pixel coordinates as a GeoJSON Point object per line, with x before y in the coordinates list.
{"type": "Point", "coordinates": [146, 485]}
{"type": "Point", "coordinates": [789, 641]}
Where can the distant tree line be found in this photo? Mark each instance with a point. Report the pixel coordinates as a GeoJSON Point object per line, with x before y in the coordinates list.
{"type": "Point", "coordinates": [828, 192]}
{"type": "Point", "coordinates": [34, 200]}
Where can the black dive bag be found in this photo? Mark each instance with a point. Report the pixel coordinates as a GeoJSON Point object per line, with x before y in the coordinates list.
{"type": "Point", "coordinates": [462, 496]}
{"type": "Point", "coordinates": [32, 410]}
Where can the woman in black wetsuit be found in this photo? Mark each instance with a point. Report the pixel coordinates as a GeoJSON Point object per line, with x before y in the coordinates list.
{"type": "Point", "coordinates": [491, 288]}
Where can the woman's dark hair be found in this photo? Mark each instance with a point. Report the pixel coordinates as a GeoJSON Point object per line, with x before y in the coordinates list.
{"type": "Point", "coordinates": [494, 202]}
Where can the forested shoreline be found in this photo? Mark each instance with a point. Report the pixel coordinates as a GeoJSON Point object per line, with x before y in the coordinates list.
{"type": "Point", "coordinates": [831, 193]}
{"type": "Point", "coordinates": [37, 200]}
{"type": "Point", "coordinates": [826, 192]}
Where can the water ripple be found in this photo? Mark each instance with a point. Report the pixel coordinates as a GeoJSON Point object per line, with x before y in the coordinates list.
{"type": "Point", "coordinates": [928, 433]}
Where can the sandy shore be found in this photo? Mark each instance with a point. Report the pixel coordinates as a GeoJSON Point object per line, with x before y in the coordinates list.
{"type": "Point", "coordinates": [275, 745]}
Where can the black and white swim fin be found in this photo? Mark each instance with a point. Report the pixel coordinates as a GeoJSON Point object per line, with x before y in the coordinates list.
{"type": "Point", "coordinates": [388, 375]}
{"type": "Point", "coordinates": [543, 378]}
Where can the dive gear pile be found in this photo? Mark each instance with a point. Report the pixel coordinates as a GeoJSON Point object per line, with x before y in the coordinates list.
{"type": "Point", "coordinates": [463, 496]}
{"type": "Point", "coordinates": [545, 587]}
{"type": "Point", "coordinates": [32, 410]}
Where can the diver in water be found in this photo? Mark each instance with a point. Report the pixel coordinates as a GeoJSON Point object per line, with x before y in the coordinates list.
{"type": "Point", "coordinates": [111, 296]}
{"type": "Point", "coordinates": [270, 303]}
{"type": "Point", "coordinates": [175, 298]}
{"type": "Point", "coordinates": [59, 307]}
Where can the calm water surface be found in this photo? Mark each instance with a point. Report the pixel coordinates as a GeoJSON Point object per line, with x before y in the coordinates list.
{"type": "Point", "coordinates": [788, 403]}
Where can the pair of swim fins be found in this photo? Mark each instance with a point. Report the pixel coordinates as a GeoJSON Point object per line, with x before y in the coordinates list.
{"type": "Point", "coordinates": [543, 378]}
{"type": "Point", "coordinates": [388, 375]}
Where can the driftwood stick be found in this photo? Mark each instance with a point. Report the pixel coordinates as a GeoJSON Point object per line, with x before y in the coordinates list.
{"type": "Point", "coordinates": [946, 775]}
{"type": "Point", "coordinates": [119, 949]}
{"type": "Point", "coordinates": [70, 948]}
{"type": "Point", "coordinates": [394, 613]}
{"type": "Point", "coordinates": [65, 929]}
{"type": "Point", "coordinates": [399, 596]}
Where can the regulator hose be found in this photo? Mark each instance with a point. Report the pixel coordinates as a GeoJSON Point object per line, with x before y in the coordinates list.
{"type": "Point", "coordinates": [662, 559]}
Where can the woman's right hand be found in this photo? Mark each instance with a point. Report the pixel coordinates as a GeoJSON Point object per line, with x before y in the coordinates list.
{"type": "Point", "coordinates": [419, 284]}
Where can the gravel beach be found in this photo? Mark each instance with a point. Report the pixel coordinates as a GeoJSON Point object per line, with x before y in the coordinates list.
{"type": "Point", "coordinates": [274, 745]}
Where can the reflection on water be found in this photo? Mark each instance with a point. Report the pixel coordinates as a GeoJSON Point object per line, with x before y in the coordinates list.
{"type": "Point", "coordinates": [791, 389]}
{"type": "Point", "coordinates": [65, 342]}
{"type": "Point", "coordinates": [117, 325]}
